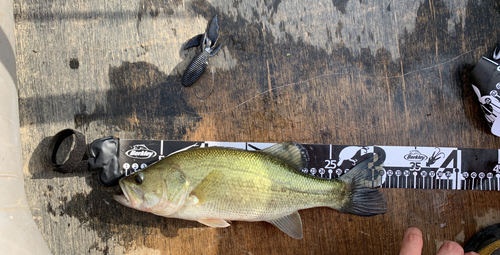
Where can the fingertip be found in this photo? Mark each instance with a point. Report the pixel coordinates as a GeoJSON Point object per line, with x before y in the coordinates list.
{"type": "Point", "coordinates": [412, 242]}
{"type": "Point", "coordinates": [413, 235]}
{"type": "Point", "coordinates": [413, 231]}
{"type": "Point", "coordinates": [450, 247]}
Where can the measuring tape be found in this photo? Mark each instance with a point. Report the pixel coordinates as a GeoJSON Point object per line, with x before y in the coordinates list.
{"type": "Point", "coordinates": [403, 167]}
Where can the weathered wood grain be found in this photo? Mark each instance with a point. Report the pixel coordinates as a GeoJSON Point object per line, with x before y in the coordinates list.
{"type": "Point", "coordinates": [341, 72]}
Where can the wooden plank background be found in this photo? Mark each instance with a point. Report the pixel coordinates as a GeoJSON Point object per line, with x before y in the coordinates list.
{"type": "Point", "coordinates": [356, 72]}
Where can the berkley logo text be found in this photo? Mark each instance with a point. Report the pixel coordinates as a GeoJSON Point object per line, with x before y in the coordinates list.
{"type": "Point", "coordinates": [415, 155]}
{"type": "Point", "coordinates": [140, 151]}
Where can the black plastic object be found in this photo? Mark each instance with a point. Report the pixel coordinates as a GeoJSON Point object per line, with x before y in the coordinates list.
{"type": "Point", "coordinates": [199, 63]}
{"type": "Point", "coordinates": [75, 160]}
{"type": "Point", "coordinates": [104, 160]}
{"type": "Point", "coordinates": [103, 156]}
{"type": "Point", "coordinates": [194, 42]}
{"type": "Point", "coordinates": [485, 81]}
{"type": "Point", "coordinates": [212, 33]}
{"type": "Point", "coordinates": [486, 241]}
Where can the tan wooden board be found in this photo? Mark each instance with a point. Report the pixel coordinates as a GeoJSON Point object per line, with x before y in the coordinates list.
{"type": "Point", "coordinates": [330, 71]}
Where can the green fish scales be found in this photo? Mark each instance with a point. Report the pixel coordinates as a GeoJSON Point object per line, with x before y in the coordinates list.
{"type": "Point", "coordinates": [236, 188]}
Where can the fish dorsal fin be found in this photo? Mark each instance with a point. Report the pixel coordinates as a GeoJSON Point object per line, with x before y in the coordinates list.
{"type": "Point", "coordinates": [216, 223]}
{"type": "Point", "coordinates": [290, 224]}
{"type": "Point", "coordinates": [291, 152]}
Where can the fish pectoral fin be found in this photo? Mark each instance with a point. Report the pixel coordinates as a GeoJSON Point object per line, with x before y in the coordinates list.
{"type": "Point", "coordinates": [210, 188]}
{"type": "Point", "coordinates": [216, 223]}
{"type": "Point", "coordinates": [290, 224]}
{"type": "Point", "coordinates": [291, 152]}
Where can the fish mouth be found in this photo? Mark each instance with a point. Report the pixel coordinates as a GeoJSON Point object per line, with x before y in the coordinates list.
{"type": "Point", "coordinates": [123, 197]}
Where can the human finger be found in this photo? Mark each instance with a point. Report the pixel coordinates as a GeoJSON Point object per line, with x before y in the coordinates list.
{"type": "Point", "coordinates": [450, 248]}
{"type": "Point", "coordinates": [412, 242]}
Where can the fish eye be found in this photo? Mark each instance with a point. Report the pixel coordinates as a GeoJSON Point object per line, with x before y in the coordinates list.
{"type": "Point", "coordinates": [138, 178]}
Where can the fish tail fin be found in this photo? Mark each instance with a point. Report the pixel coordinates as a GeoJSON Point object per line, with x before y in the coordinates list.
{"type": "Point", "coordinates": [363, 198]}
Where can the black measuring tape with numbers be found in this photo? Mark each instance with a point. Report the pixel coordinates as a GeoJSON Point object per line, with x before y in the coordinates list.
{"type": "Point", "coordinates": [403, 167]}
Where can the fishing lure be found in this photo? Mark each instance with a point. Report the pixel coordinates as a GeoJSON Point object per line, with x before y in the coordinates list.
{"type": "Point", "coordinates": [199, 63]}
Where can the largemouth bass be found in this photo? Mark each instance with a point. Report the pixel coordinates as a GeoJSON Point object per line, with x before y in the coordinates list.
{"type": "Point", "coordinates": [215, 185]}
